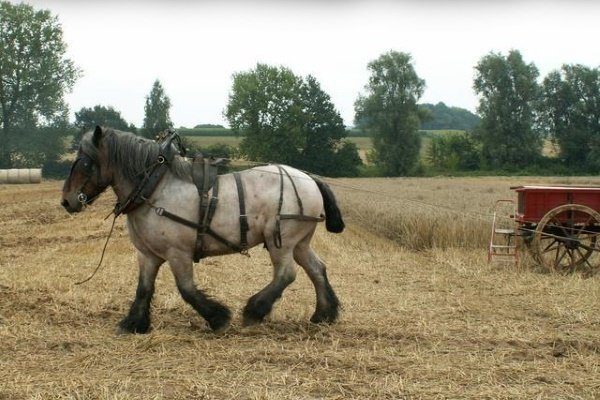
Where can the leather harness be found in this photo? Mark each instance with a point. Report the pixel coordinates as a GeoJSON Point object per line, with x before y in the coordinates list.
{"type": "Point", "coordinates": [205, 177]}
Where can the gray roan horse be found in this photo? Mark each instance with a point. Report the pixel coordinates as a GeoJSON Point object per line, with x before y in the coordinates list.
{"type": "Point", "coordinates": [108, 157]}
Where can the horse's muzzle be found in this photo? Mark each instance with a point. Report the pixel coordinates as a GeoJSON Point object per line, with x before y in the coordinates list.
{"type": "Point", "coordinates": [70, 209]}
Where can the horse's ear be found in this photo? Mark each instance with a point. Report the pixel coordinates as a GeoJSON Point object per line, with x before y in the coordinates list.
{"type": "Point", "coordinates": [97, 136]}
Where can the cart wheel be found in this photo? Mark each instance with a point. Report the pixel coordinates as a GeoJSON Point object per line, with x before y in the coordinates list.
{"type": "Point", "coordinates": [565, 239]}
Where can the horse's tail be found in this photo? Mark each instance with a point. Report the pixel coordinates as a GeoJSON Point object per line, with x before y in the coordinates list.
{"type": "Point", "coordinates": [333, 216]}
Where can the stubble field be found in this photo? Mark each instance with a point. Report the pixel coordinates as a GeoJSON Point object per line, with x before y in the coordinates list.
{"type": "Point", "coordinates": [424, 315]}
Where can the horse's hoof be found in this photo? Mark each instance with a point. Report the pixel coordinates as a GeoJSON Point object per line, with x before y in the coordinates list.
{"type": "Point", "coordinates": [252, 316]}
{"type": "Point", "coordinates": [251, 321]}
{"type": "Point", "coordinates": [221, 329]}
{"type": "Point", "coordinates": [127, 327]}
{"type": "Point", "coordinates": [220, 322]}
{"type": "Point", "coordinates": [120, 331]}
{"type": "Point", "coordinates": [324, 317]}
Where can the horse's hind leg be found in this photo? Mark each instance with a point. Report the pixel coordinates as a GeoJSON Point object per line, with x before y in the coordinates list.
{"type": "Point", "coordinates": [215, 313]}
{"type": "Point", "coordinates": [138, 319]}
{"type": "Point", "coordinates": [284, 273]}
{"type": "Point", "coordinates": [327, 302]}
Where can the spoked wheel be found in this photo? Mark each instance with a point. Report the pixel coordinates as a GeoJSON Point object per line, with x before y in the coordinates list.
{"type": "Point", "coordinates": [565, 239]}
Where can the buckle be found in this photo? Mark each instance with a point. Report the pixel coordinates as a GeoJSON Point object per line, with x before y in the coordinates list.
{"type": "Point", "coordinates": [82, 198]}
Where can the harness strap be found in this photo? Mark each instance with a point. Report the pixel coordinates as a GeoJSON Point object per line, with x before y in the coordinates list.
{"type": "Point", "coordinates": [207, 211]}
{"type": "Point", "coordinates": [144, 188]}
{"type": "Point", "coordinates": [226, 242]}
{"type": "Point", "coordinates": [205, 187]}
{"type": "Point", "coordinates": [212, 206]}
{"type": "Point", "coordinates": [243, 217]}
{"type": "Point", "coordinates": [277, 232]}
{"type": "Point", "coordinates": [300, 216]}
{"type": "Point", "coordinates": [164, 213]}
{"type": "Point", "coordinates": [295, 191]}
{"type": "Point", "coordinates": [174, 217]}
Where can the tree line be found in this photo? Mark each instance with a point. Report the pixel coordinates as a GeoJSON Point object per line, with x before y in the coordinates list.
{"type": "Point", "coordinates": [286, 118]}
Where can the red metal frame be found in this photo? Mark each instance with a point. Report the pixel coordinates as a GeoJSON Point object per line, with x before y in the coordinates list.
{"type": "Point", "coordinates": [535, 201]}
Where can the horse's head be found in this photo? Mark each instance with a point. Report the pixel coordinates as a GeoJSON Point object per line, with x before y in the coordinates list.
{"type": "Point", "coordinates": [89, 175]}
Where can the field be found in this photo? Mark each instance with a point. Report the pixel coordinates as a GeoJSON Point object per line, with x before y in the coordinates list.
{"type": "Point", "coordinates": [363, 143]}
{"type": "Point", "coordinates": [424, 315]}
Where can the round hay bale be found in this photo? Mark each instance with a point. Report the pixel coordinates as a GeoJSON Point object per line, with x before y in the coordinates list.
{"type": "Point", "coordinates": [25, 175]}
{"type": "Point", "coordinates": [13, 176]}
{"type": "Point", "coordinates": [35, 175]}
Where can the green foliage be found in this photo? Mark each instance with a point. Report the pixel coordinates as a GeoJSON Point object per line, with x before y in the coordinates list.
{"type": "Point", "coordinates": [508, 91]}
{"type": "Point", "coordinates": [212, 150]}
{"type": "Point", "coordinates": [444, 117]}
{"type": "Point", "coordinates": [214, 131]}
{"type": "Point", "coordinates": [34, 77]}
{"type": "Point", "coordinates": [356, 132]}
{"type": "Point", "coordinates": [35, 146]}
{"type": "Point", "coordinates": [454, 152]}
{"type": "Point", "coordinates": [570, 114]}
{"type": "Point", "coordinates": [390, 114]}
{"type": "Point", "coordinates": [87, 118]}
{"type": "Point", "coordinates": [156, 111]}
{"type": "Point", "coordinates": [209, 126]}
{"type": "Point", "coordinates": [287, 119]}
{"type": "Point", "coordinates": [219, 150]}
{"type": "Point", "coordinates": [347, 159]}
{"type": "Point", "coordinates": [57, 169]}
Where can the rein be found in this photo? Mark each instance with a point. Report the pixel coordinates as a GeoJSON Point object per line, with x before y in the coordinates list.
{"type": "Point", "coordinates": [103, 252]}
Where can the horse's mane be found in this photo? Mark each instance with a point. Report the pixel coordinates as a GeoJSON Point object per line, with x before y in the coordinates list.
{"type": "Point", "coordinates": [132, 155]}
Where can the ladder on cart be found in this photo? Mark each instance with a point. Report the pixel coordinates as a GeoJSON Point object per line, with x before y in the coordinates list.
{"type": "Point", "coordinates": [503, 243]}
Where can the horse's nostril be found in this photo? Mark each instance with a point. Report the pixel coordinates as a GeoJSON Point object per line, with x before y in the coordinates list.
{"type": "Point", "coordinates": [64, 203]}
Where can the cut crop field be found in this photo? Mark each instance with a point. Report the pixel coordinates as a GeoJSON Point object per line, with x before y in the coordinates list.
{"type": "Point", "coordinates": [424, 315]}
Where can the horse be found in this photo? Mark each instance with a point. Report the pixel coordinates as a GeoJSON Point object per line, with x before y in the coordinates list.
{"type": "Point", "coordinates": [116, 159]}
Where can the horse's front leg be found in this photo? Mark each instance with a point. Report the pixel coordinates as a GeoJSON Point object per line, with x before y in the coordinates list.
{"type": "Point", "coordinates": [138, 319]}
{"type": "Point", "coordinates": [216, 314]}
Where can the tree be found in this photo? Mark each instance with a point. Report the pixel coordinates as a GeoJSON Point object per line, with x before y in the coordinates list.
{"type": "Point", "coordinates": [570, 114]}
{"type": "Point", "coordinates": [156, 111]}
{"type": "Point", "coordinates": [444, 117]}
{"type": "Point", "coordinates": [508, 93]}
{"type": "Point", "coordinates": [454, 151]}
{"type": "Point", "coordinates": [288, 119]}
{"type": "Point", "coordinates": [34, 77]}
{"type": "Point", "coordinates": [323, 130]}
{"type": "Point", "coordinates": [389, 112]}
{"type": "Point", "coordinates": [87, 118]}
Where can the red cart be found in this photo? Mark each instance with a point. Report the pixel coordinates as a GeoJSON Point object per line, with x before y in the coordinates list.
{"type": "Point", "coordinates": [560, 225]}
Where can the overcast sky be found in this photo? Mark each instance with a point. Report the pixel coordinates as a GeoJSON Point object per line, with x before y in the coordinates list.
{"type": "Point", "coordinates": [195, 47]}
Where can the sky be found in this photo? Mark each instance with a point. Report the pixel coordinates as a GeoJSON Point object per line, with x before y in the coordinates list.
{"type": "Point", "coordinates": [194, 47]}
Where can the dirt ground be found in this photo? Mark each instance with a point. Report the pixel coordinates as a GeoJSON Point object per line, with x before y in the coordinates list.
{"type": "Point", "coordinates": [427, 324]}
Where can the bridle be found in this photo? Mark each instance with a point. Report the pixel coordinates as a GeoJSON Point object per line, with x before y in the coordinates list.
{"type": "Point", "coordinates": [170, 145]}
{"type": "Point", "coordinates": [89, 165]}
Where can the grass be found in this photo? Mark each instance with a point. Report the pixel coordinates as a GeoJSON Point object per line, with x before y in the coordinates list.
{"type": "Point", "coordinates": [435, 323]}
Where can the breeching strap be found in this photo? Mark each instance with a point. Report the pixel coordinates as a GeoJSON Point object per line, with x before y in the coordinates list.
{"type": "Point", "coordinates": [299, 217]}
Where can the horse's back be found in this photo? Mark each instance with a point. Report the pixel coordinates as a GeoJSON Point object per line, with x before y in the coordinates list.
{"type": "Point", "coordinates": [263, 189]}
